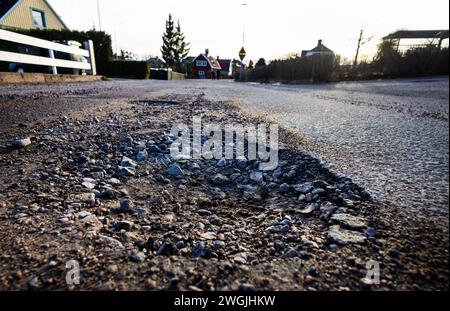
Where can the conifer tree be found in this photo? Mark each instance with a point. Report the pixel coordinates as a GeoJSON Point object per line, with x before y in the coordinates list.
{"type": "Point", "coordinates": [174, 48]}
{"type": "Point", "coordinates": [169, 41]}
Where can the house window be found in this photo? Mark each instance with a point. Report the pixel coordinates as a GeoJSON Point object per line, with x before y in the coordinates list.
{"type": "Point", "coordinates": [201, 63]}
{"type": "Point", "coordinates": [38, 19]}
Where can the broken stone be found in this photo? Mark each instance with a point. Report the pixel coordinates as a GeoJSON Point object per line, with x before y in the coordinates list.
{"type": "Point", "coordinates": [309, 210]}
{"type": "Point", "coordinates": [88, 198]}
{"type": "Point", "coordinates": [349, 221]}
{"type": "Point", "coordinates": [92, 222]}
{"type": "Point", "coordinates": [127, 162]}
{"type": "Point", "coordinates": [304, 188]}
{"type": "Point", "coordinates": [142, 156]}
{"type": "Point", "coordinates": [343, 237]}
{"type": "Point", "coordinates": [125, 172]}
{"type": "Point", "coordinates": [175, 170]}
{"type": "Point", "coordinates": [220, 180]}
{"type": "Point", "coordinates": [110, 242]}
{"type": "Point", "coordinates": [22, 143]}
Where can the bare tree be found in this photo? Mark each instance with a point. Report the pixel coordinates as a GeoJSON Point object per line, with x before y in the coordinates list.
{"type": "Point", "coordinates": [361, 41]}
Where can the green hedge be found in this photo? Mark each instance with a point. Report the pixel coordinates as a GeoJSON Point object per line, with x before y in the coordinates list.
{"type": "Point", "coordinates": [102, 42]}
{"type": "Point", "coordinates": [128, 69]}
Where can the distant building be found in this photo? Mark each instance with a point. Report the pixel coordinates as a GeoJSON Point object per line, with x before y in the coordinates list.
{"type": "Point", "coordinates": [409, 39]}
{"type": "Point", "coordinates": [29, 14]}
{"type": "Point", "coordinates": [205, 67]}
{"type": "Point", "coordinates": [227, 67]}
{"type": "Point", "coordinates": [320, 49]}
{"type": "Point", "coordinates": [236, 66]}
{"type": "Point", "coordinates": [156, 62]}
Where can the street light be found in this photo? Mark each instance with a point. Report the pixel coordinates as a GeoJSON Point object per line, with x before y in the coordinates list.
{"type": "Point", "coordinates": [99, 15]}
{"type": "Point", "coordinates": [244, 6]}
{"type": "Point", "coordinates": [242, 53]}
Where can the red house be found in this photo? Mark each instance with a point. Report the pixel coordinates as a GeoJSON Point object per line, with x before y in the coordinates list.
{"type": "Point", "coordinates": [205, 67]}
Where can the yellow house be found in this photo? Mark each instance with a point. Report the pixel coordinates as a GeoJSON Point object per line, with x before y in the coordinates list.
{"type": "Point", "coordinates": [29, 14]}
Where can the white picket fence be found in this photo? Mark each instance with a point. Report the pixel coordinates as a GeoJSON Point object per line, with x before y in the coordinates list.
{"type": "Point", "coordinates": [50, 61]}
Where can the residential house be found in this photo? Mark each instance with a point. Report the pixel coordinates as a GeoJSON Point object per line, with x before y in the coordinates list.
{"type": "Point", "coordinates": [205, 67]}
{"type": "Point", "coordinates": [29, 14]}
{"type": "Point", "coordinates": [156, 62]}
{"type": "Point", "coordinates": [320, 49]}
{"type": "Point", "coordinates": [236, 66]}
{"type": "Point", "coordinates": [227, 68]}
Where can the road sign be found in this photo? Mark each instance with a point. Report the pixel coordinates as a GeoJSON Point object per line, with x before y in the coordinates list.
{"type": "Point", "coordinates": [242, 53]}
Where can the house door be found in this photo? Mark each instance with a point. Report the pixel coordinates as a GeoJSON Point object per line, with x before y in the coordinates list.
{"type": "Point", "coordinates": [201, 74]}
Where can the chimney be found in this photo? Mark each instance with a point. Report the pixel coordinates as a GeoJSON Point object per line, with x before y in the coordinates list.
{"type": "Point", "coordinates": [320, 42]}
{"type": "Point", "coordinates": [207, 52]}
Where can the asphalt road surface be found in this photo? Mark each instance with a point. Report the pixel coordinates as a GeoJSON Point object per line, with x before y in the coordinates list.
{"type": "Point", "coordinates": [390, 136]}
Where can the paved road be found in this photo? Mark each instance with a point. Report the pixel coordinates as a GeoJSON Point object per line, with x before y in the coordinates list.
{"type": "Point", "coordinates": [390, 136]}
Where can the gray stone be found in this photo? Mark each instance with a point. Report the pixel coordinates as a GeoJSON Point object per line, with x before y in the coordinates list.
{"type": "Point", "coordinates": [209, 235]}
{"type": "Point", "coordinates": [125, 205]}
{"type": "Point", "coordinates": [220, 180]}
{"type": "Point", "coordinates": [127, 162]}
{"type": "Point", "coordinates": [200, 250]}
{"type": "Point", "coordinates": [215, 222]}
{"type": "Point", "coordinates": [318, 191]}
{"type": "Point", "coordinates": [290, 253]}
{"type": "Point", "coordinates": [88, 183]}
{"type": "Point", "coordinates": [92, 222]}
{"type": "Point", "coordinates": [204, 212]}
{"type": "Point", "coordinates": [327, 210]}
{"type": "Point", "coordinates": [142, 156]}
{"type": "Point", "coordinates": [241, 163]}
{"type": "Point", "coordinates": [22, 143]}
{"type": "Point", "coordinates": [309, 210]}
{"type": "Point", "coordinates": [138, 256]}
{"type": "Point", "coordinates": [88, 198]}
{"type": "Point", "coordinates": [349, 221]}
{"type": "Point", "coordinates": [256, 177]}
{"type": "Point", "coordinates": [343, 237]}
{"type": "Point", "coordinates": [125, 172]}
{"type": "Point", "coordinates": [221, 163]}
{"type": "Point", "coordinates": [154, 149]}
{"type": "Point", "coordinates": [110, 242]}
{"type": "Point", "coordinates": [167, 248]}
{"type": "Point", "coordinates": [284, 188]}
{"type": "Point", "coordinates": [304, 188]}
{"type": "Point", "coordinates": [175, 170]}
{"type": "Point", "coordinates": [123, 225]}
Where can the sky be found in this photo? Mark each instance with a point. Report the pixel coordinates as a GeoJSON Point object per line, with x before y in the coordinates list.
{"type": "Point", "coordinates": [273, 28]}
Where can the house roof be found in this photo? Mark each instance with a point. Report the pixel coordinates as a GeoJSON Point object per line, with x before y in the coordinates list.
{"type": "Point", "coordinates": [225, 64]}
{"type": "Point", "coordinates": [418, 34]}
{"type": "Point", "coordinates": [213, 63]}
{"type": "Point", "coordinates": [321, 48]}
{"type": "Point", "coordinates": [6, 6]}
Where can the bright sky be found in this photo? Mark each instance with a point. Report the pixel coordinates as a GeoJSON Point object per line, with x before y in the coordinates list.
{"type": "Point", "coordinates": [272, 28]}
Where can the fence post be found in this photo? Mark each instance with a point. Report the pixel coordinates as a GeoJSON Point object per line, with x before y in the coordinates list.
{"type": "Point", "coordinates": [89, 45]}
{"type": "Point", "coordinates": [51, 54]}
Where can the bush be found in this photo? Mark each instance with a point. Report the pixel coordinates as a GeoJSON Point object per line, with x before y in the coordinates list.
{"type": "Point", "coordinates": [420, 61]}
{"type": "Point", "coordinates": [319, 68]}
{"type": "Point", "coordinates": [102, 42]}
{"type": "Point", "coordinates": [128, 69]}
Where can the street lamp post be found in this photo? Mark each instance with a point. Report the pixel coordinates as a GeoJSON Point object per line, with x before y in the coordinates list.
{"type": "Point", "coordinates": [242, 52]}
{"type": "Point", "coordinates": [99, 15]}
